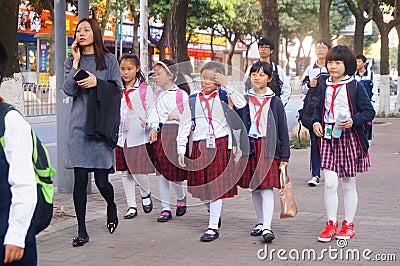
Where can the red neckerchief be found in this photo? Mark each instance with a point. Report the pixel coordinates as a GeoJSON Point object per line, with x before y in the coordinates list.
{"type": "Point", "coordinates": [127, 99]}
{"type": "Point", "coordinates": [206, 100]}
{"type": "Point", "coordinates": [254, 100]}
{"type": "Point", "coordinates": [334, 86]}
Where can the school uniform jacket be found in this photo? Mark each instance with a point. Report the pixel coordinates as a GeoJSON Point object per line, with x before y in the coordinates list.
{"type": "Point", "coordinates": [360, 106]}
{"type": "Point", "coordinates": [276, 131]}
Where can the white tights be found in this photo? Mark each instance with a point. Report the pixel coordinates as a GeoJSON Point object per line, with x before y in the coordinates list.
{"type": "Point", "coordinates": [331, 196]}
{"type": "Point", "coordinates": [263, 201]}
{"type": "Point", "coordinates": [165, 192]}
{"type": "Point", "coordinates": [215, 208]}
{"type": "Point", "coordinates": [128, 182]}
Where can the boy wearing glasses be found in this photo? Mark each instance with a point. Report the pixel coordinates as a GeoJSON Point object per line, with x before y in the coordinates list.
{"type": "Point", "coordinates": [266, 47]}
{"type": "Point", "coordinates": [314, 75]}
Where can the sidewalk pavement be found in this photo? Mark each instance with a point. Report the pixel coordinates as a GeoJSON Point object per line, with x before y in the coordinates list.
{"type": "Point", "coordinates": [144, 241]}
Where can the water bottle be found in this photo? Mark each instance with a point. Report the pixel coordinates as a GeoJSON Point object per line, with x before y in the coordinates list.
{"type": "Point", "coordinates": [336, 132]}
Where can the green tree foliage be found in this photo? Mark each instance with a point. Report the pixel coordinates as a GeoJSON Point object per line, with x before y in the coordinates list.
{"type": "Point", "coordinates": [340, 17]}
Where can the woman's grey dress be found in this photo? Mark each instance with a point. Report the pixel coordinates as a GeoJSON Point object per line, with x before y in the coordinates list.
{"type": "Point", "coordinates": [85, 152]}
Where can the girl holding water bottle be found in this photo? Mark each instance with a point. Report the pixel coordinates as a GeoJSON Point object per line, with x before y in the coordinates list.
{"type": "Point", "coordinates": [339, 120]}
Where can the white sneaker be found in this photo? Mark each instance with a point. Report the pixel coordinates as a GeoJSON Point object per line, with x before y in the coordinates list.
{"type": "Point", "coordinates": [314, 181]}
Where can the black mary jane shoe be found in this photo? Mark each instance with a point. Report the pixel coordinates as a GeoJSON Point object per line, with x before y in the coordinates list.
{"type": "Point", "coordinates": [79, 241]}
{"type": "Point", "coordinates": [210, 237]}
{"type": "Point", "coordinates": [131, 213]}
{"type": "Point", "coordinates": [165, 216]}
{"type": "Point", "coordinates": [268, 235]}
{"type": "Point", "coordinates": [181, 207]}
{"type": "Point", "coordinates": [147, 208]}
{"type": "Point", "coordinates": [112, 218]}
{"type": "Point", "coordinates": [257, 230]}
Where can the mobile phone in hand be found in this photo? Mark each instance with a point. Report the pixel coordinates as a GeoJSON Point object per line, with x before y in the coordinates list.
{"type": "Point", "coordinates": [80, 74]}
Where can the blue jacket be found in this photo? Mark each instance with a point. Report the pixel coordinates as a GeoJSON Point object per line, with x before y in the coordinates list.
{"type": "Point", "coordinates": [361, 110]}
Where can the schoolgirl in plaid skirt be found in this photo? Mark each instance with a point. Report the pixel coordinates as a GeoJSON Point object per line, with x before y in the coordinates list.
{"type": "Point", "coordinates": [135, 135]}
{"type": "Point", "coordinates": [211, 164]}
{"type": "Point", "coordinates": [170, 103]}
{"type": "Point", "coordinates": [344, 145]}
{"type": "Point", "coordinates": [266, 125]}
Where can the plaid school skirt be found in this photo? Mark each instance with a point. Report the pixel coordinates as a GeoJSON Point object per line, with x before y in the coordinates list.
{"type": "Point", "coordinates": [259, 172]}
{"type": "Point", "coordinates": [166, 154]}
{"type": "Point", "coordinates": [134, 159]}
{"type": "Point", "coordinates": [212, 175]}
{"type": "Point", "coordinates": [344, 155]}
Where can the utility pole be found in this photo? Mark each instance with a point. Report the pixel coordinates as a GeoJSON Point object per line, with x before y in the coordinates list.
{"type": "Point", "coordinates": [64, 177]}
{"type": "Point", "coordinates": [144, 54]}
{"type": "Point", "coordinates": [83, 9]}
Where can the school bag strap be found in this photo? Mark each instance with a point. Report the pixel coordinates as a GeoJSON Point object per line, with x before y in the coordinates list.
{"type": "Point", "coordinates": [178, 99]}
{"type": "Point", "coordinates": [142, 93]}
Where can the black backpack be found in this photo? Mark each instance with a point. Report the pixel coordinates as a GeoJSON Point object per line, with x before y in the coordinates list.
{"type": "Point", "coordinates": [276, 89]}
{"type": "Point", "coordinates": [307, 112]}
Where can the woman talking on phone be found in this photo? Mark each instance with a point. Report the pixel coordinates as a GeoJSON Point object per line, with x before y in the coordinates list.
{"type": "Point", "coordinates": [93, 79]}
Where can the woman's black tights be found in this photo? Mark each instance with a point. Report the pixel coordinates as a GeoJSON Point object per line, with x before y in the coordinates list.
{"type": "Point", "coordinates": [80, 194]}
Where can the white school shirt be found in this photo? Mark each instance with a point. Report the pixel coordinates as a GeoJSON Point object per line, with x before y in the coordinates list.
{"type": "Point", "coordinates": [262, 129]}
{"type": "Point", "coordinates": [341, 100]}
{"type": "Point", "coordinates": [166, 103]}
{"type": "Point", "coordinates": [132, 133]}
{"type": "Point", "coordinates": [312, 71]}
{"type": "Point", "coordinates": [21, 177]}
{"type": "Point", "coordinates": [219, 122]}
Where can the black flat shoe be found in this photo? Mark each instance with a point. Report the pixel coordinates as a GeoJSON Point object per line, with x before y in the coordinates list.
{"type": "Point", "coordinates": [147, 208]}
{"type": "Point", "coordinates": [268, 235]}
{"type": "Point", "coordinates": [165, 216]}
{"type": "Point", "coordinates": [112, 218]}
{"type": "Point", "coordinates": [79, 241]}
{"type": "Point", "coordinates": [131, 213]}
{"type": "Point", "coordinates": [257, 231]}
{"type": "Point", "coordinates": [181, 207]}
{"type": "Point", "coordinates": [209, 237]}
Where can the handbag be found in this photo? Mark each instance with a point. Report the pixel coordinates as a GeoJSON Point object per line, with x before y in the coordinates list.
{"type": "Point", "coordinates": [286, 195]}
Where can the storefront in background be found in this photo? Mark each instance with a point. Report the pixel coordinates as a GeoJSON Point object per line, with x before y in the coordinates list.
{"type": "Point", "coordinates": [33, 43]}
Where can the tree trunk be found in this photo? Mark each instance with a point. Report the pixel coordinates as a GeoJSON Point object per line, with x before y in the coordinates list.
{"type": "Point", "coordinates": [52, 41]}
{"type": "Point", "coordinates": [287, 56]}
{"type": "Point", "coordinates": [246, 60]}
{"type": "Point", "coordinates": [359, 36]}
{"type": "Point", "coordinates": [231, 53]}
{"type": "Point", "coordinates": [160, 44]}
{"type": "Point", "coordinates": [135, 44]}
{"type": "Point", "coordinates": [384, 29]}
{"type": "Point", "coordinates": [212, 44]}
{"type": "Point", "coordinates": [270, 23]}
{"type": "Point", "coordinates": [324, 6]}
{"type": "Point", "coordinates": [178, 32]}
{"type": "Point", "coordinates": [364, 6]}
{"type": "Point", "coordinates": [298, 57]}
{"type": "Point", "coordinates": [8, 33]}
{"type": "Point", "coordinates": [398, 72]}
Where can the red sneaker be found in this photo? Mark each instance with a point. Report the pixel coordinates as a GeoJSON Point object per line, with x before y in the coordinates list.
{"type": "Point", "coordinates": [329, 232]}
{"type": "Point", "coordinates": [347, 231]}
